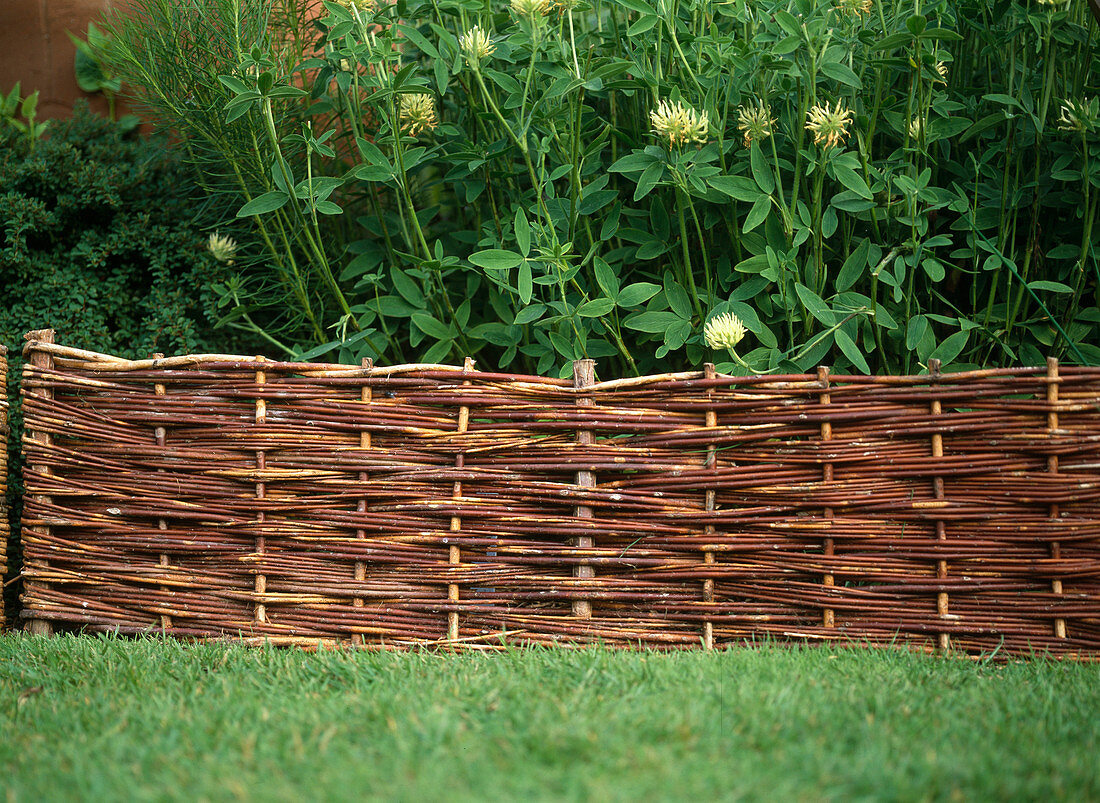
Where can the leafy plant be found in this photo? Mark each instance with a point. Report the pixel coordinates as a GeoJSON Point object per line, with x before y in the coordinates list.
{"type": "Point", "coordinates": [867, 183]}
{"type": "Point", "coordinates": [92, 75]}
{"type": "Point", "coordinates": [13, 106]}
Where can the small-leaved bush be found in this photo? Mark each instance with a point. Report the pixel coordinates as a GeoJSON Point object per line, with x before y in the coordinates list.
{"type": "Point", "coordinates": [871, 184]}
{"type": "Point", "coordinates": [101, 241]}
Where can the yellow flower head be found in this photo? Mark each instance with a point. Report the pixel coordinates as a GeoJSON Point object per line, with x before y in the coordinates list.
{"type": "Point", "coordinates": [222, 248]}
{"type": "Point", "coordinates": [1082, 116]}
{"type": "Point", "coordinates": [678, 124]}
{"type": "Point", "coordinates": [857, 8]}
{"type": "Point", "coordinates": [829, 126]}
{"type": "Point", "coordinates": [532, 9]}
{"type": "Point", "coordinates": [476, 45]}
{"type": "Point", "coordinates": [916, 127]}
{"type": "Point", "coordinates": [358, 7]}
{"type": "Point", "coordinates": [724, 331]}
{"type": "Point", "coordinates": [756, 122]}
{"type": "Point", "coordinates": [417, 113]}
{"type": "Point", "coordinates": [941, 71]}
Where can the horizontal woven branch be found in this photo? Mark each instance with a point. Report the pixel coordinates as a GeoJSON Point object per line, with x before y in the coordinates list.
{"type": "Point", "coordinates": [223, 496]}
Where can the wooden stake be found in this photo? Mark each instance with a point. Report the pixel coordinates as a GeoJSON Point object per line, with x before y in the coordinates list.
{"type": "Point", "coordinates": [454, 557]}
{"type": "Point", "coordinates": [584, 375]}
{"type": "Point", "coordinates": [828, 617]}
{"type": "Point", "coordinates": [710, 422]}
{"type": "Point", "coordinates": [365, 396]}
{"type": "Point", "coordinates": [43, 361]}
{"type": "Point", "coordinates": [942, 610]}
{"type": "Point", "coordinates": [261, 488]}
{"type": "Point", "coordinates": [161, 436]}
{"type": "Point", "coordinates": [1052, 468]}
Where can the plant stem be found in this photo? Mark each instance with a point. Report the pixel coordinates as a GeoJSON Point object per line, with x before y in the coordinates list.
{"type": "Point", "coordinates": [522, 145]}
{"type": "Point", "coordinates": [686, 250]}
{"type": "Point", "coordinates": [315, 246]}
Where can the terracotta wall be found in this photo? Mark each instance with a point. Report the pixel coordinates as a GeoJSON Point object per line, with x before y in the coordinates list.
{"type": "Point", "coordinates": [35, 50]}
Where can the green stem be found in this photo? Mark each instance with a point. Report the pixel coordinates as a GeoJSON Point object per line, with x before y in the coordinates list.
{"type": "Point", "coordinates": [874, 303]}
{"type": "Point", "coordinates": [314, 244]}
{"type": "Point", "coordinates": [686, 251]}
{"type": "Point", "coordinates": [613, 330]}
{"type": "Point", "coordinates": [702, 248]}
{"type": "Point", "coordinates": [683, 59]}
{"type": "Point", "coordinates": [788, 222]}
{"type": "Point", "coordinates": [819, 337]}
{"type": "Point", "coordinates": [573, 44]}
{"type": "Point", "coordinates": [259, 330]}
{"type": "Point", "coordinates": [800, 126]}
{"type": "Point", "coordinates": [403, 179]}
{"type": "Point", "coordinates": [523, 149]}
{"type": "Point", "coordinates": [1019, 308]}
{"type": "Point", "coordinates": [298, 285]}
{"type": "Point", "coordinates": [819, 257]}
{"type": "Point", "coordinates": [530, 76]}
{"type": "Point", "coordinates": [1090, 211]}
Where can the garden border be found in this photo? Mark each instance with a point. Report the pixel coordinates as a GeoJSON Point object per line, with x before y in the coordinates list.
{"type": "Point", "coordinates": [220, 496]}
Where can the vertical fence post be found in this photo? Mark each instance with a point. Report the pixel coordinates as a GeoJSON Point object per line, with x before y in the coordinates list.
{"type": "Point", "coordinates": [936, 409]}
{"type": "Point", "coordinates": [1052, 468]}
{"type": "Point", "coordinates": [260, 588]}
{"type": "Point", "coordinates": [710, 421]}
{"type": "Point", "coordinates": [5, 432]}
{"type": "Point", "coordinates": [454, 557]}
{"type": "Point", "coordinates": [44, 361]}
{"type": "Point", "coordinates": [828, 617]}
{"type": "Point", "coordinates": [584, 375]}
{"type": "Point", "coordinates": [161, 436]}
{"type": "Point", "coordinates": [365, 396]}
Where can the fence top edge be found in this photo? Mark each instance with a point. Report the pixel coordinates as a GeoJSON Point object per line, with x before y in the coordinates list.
{"type": "Point", "coordinates": [81, 359]}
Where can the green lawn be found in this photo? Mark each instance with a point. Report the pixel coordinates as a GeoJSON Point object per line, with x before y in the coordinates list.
{"type": "Point", "coordinates": [104, 719]}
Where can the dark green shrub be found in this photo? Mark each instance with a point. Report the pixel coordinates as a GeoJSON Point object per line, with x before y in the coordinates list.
{"type": "Point", "coordinates": [100, 242]}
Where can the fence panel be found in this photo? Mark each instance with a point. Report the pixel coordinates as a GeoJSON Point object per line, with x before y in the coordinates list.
{"type": "Point", "coordinates": [225, 496]}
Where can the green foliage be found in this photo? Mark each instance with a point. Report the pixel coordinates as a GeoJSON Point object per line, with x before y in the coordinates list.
{"type": "Point", "coordinates": [867, 184]}
{"type": "Point", "coordinates": [93, 75]}
{"type": "Point", "coordinates": [100, 242]}
{"type": "Point", "coordinates": [13, 106]}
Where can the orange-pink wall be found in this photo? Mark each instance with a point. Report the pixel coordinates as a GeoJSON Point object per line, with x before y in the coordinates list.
{"type": "Point", "coordinates": [35, 50]}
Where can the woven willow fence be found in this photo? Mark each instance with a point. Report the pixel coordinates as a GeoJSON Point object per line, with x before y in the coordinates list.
{"type": "Point", "coordinates": [222, 496]}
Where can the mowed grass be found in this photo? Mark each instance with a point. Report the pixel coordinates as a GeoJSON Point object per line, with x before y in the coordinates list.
{"type": "Point", "coordinates": [109, 719]}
